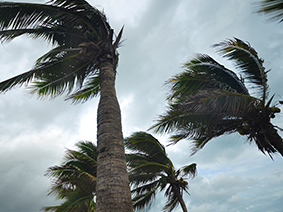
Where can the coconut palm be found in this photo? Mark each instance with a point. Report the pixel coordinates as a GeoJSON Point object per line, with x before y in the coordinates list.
{"type": "Point", "coordinates": [208, 100]}
{"type": "Point", "coordinates": [274, 8]}
{"type": "Point", "coordinates": [74, 181]}
{"type": "Point", "coordinates": [150, 171]}
{"type": "Point", "coordinates": [82, 64]}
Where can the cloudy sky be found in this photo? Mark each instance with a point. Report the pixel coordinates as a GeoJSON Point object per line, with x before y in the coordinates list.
{"type": "Point", "coordinates": [160, 35]}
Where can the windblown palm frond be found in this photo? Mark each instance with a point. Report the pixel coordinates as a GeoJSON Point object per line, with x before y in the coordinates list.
{"type": "Point", "coordinates": [150, 171]}
{"type": "Point", "coordinates": [82, 39]}
{"type": "Point", "coordinates": [75, 180]}
{"type": "Point", "coordinates": [248, 63]}
{"type": "Point", "coordinates": [274, 8]}
{"type": "Point", "coordinates": [208, 100]}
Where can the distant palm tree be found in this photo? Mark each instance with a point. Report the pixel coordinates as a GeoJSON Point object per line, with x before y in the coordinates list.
{"type": "Point", "coordinates": [150, 171]}
{"type": "Point", "coordinates": [82, 64]}
{"type": "Point", "coordinates": [208, 100]}
{"type": "Point", "coordinates": [274, 8]}
{"type": "Point", "coordinates": [74, 181]}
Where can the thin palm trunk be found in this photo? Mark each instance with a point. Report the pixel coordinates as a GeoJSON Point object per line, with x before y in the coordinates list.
{"type": "Point", "coordinates": [183, 205]}
{"type": "Point", "coordinates": [112, 190]}
{"type": "Point", "coordinates": [181, 200]}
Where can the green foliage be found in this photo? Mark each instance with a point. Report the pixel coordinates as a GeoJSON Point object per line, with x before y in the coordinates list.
{"type": "Point", "coordinates": [75, 180]}
{"type": "Point", "coordinates": [150, 171]}
{"type": "Point", "coordinates": [82, 40]}
{"type": "Point", "coordinates": [208, 100]}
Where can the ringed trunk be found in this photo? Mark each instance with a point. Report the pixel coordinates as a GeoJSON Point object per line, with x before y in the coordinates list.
{"type": "Point", "coordinates": [112, 189]}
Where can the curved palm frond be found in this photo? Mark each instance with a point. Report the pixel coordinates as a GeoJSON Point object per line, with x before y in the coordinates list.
{"type": "Point", "coordinates": [51, 21]}
{"type": "Point", "coordinates": [172, 199]}
{"type": "Point", "coordinates": [190, 170]}
{"type": "Point", "coordinates": [144, 195]}
{"type": "Point", "coordinates": [247, 62]}
{"type": "Point", "coordinates": [274, 8]}
{"type": "Point", "coordinates": [75, 180]}
{"type": "Point", "coordinates": [204, 116]}
{"type": "Point", "coordinates": [146, 144]}
{"type": "Point", "coordinates": [91, 89]}
{"type": "Point", "coordinates": [150, 171]}
{"type": "Point", "coordinates": [203, 72]}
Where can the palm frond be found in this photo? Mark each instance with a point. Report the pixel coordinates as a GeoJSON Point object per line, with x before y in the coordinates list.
{"type": "Point", "coordinates": [204, 72]}
{"type": "Point", "coordinates": [137, 179]}
{"type": "Point", "coordinates": [145, 199]}
{"type": "Point", "coordinates": [273, 8]}
{"type": "Point", "coordinates": [205, 109]}
{"type": "Point", "coordinates": [90, 89]}
{"type": "Point", "coordinates": [171, 204]}
{"type": "Point", "coordinates": [189, 170]}
{"type": "Point", "coordinates": [41, 20]}
{"type": "Point", "coordinates": [145, 143]}
{"type": "Point", "coordinates": [247, 61]}
{"type": "Point", "coordinates": [149, 167]}
{"type": "Point", "coordinates": [75, 201]}
{"type": "Point", "coordinates": [74, 181]}
{"type": "Point", "coordinates": [52, 82]}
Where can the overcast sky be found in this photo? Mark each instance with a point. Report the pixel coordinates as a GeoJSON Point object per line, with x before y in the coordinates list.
{"type": "Point", "coordinates": [160, 35]}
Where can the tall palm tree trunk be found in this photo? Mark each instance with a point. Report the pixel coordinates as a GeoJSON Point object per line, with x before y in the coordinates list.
{"type": "Point", "coordinates": [112, 190]}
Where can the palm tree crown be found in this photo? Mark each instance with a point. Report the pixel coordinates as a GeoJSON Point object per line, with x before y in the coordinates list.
{"type": "Point", "coordinates": [151, 170]}
{"type": "Point", "coordinates": [82, 40]}
{"type": "Point", "coordinates": [208, 100]}
{"type": "Point", "coordinates": [75, 180]}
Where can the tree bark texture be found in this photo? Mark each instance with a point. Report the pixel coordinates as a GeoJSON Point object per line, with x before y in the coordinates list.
{"type": "Point", "coordinates": [112, 189]}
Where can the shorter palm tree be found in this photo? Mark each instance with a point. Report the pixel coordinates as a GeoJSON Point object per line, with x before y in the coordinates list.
{"type": "Point", "coordinates": [208, 100]}
{"type": "Point", "coordinates": [150, 171]}
{"type": "Point", "coordinates": [75, 180]}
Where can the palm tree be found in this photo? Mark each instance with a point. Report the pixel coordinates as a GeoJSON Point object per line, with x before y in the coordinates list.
{"type": "Point", "coordinates": [82, 64]}
{"type": "Point", "coordinates": [208, 100]}
{"type": "Point", "coordinates": [74, 181]}
{"type": "Point", "coordinates": [151, 170]}
{"type": "Point", "coordinates": [272, 7]}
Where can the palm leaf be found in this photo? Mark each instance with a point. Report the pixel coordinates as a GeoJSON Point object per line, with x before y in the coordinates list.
{"type": "Point", "coordinates": [145, 143]}
{"type": "Point", "coordinates": [24, 16]}
{"type": "Point", "coordinates": [144, 199]}
{"type": "Point", "coordinates": [204, 72]}
{"type": "Point", "coordinates": [172, 201]}
{"type": "Point", "coordinates": [75, 180]}
{"type": "Point", "coordinates": [274, 8]}
{"type": "Point", "coordinates": [247, 61]}
{"type": "Point", "coordinates": [75, 201]}
{"type": "Point", "coordinates": [189, 170]}
{"type": "Point", "coordinates": [90, 89]}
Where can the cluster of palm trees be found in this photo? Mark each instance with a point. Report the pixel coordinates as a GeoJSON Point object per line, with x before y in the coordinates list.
{"type": "Point", "coordinates": [207, 100]}
{"type": "Point", "coordinates": [150, 171]}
